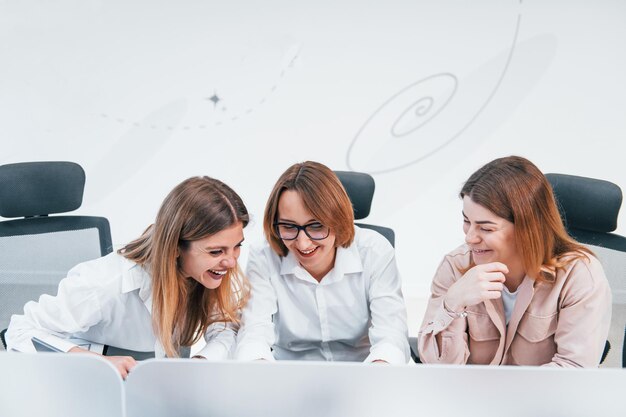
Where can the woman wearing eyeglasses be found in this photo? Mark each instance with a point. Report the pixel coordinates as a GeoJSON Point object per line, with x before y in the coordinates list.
{"type": "Point", "coordinates": [322, 289]}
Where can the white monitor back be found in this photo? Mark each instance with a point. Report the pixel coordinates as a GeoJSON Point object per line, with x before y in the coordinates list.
{"type": "Point", "coordinates": [58, 385]}
{"type": "Point", "coordinates": [287, 389]}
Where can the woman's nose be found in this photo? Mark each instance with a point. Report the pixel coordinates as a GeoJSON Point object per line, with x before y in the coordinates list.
{"type": "Point", "coordinates": [471, 237]}
{"type": "Point", "coordinates": [302, 241]}
{"type": "Point", "coordinates": [229, 261]}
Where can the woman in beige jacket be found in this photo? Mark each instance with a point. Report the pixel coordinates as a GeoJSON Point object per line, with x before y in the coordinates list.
{"type": "Point", "coordinates": [520, 291]}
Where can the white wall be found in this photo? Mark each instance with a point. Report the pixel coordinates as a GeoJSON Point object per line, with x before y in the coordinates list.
{"type": "Point", "coordinates": [419, 92]}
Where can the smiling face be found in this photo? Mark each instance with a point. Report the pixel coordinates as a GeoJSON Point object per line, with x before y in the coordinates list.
{"type": "Point", "coordinates": [208, 260]}
{"type": "Point", "coordinates": [491, 238]}
{"type": "Point", "coordinates": [316, 256]}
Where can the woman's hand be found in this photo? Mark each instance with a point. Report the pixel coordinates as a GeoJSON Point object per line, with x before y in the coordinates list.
{"type": "Point", "coordinates": [482, 282]}
{"type": "Point", "coordinates": [123, 364]}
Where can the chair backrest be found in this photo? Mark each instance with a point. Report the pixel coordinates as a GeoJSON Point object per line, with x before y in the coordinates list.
{"type": "Point", "coordinates": [589, 208]}
{"type": "Point", "coordinates": [360, 188]}
{"type": "Point", "coordinates": [37, 250]}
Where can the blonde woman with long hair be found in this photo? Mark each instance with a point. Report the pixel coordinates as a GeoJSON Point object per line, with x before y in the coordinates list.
{"type": "Point", "coordinates": [176, 283]}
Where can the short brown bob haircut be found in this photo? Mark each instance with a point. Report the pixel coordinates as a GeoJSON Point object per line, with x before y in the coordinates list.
{"type": "Point", "coordinates": [514, 189]}
{"type": "Point", "coordinates": [322, 195]}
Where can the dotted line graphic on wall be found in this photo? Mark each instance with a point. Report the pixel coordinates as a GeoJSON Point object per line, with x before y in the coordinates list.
{"type": "Point", "coordinates": [386, 141]}
{"type": "Point", "coordinates": [216, 104]}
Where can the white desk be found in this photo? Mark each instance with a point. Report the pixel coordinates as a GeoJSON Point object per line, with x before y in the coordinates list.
{"type": "Point", "coordinates": [289, 389]}
{"type": "Point", "coordinates": [59, 385]}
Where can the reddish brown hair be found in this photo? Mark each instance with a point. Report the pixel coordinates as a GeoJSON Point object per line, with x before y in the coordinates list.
{"type": "Point", "coordinates": [323, 196]}
{"type": "Point", "coordinates": [514, 189]}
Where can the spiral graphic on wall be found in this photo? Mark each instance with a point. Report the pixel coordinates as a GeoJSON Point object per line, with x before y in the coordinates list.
{"type": "Point", "coordinates": [421, 119]}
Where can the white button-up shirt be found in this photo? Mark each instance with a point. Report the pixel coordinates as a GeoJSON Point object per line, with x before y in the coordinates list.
{"type": "Point", "coordinates": [107, 301]}
{"type": "Point", "coordinates": [356, 312]}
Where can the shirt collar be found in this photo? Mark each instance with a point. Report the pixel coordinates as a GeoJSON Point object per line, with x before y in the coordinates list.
{"type": "Point", "coordinates": [291, 266]}
{"type": "Point", "coordinates": [136, 277]}
{"type": "Point", "coordinates": [347, 261]}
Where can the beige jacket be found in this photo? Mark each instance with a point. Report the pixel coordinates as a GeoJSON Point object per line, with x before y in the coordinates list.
{"type": "Point", "coordinates": [565, 323]}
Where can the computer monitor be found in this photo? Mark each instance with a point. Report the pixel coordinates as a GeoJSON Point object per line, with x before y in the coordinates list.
{"type": "Point", "coordinates": [313, 389]}
{"type": "Point", "coordinates": [50, 385]}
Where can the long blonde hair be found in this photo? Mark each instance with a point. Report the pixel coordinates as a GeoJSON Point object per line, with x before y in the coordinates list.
{"type": "Point", "coordinates": [183, 309]}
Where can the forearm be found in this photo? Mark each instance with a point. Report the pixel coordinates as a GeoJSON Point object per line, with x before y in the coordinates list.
{"type": "Point", "coordinates": [23, 328]}
{"type": "Point", "coordinates": [388, 332]}
{"type": "Point", "coordinates": [442, 337]}
{"type": "Point", "coordinates": [220, 341]}
{"type": "Point", "coordinates": [255, 341]}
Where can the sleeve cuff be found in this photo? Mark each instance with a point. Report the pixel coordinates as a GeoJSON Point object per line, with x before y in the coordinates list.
{"type": "Point", "coordinates": [388, 353]}
{"type": "Point", "coordinates": [440, 320]}
{"type": "Point", "coordinates": [214, 351]}
{"type": "Point", "coordinates": [254, 351]}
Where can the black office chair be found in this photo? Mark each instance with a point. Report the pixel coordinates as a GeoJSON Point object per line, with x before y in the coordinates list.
{"type": "Point", "coordinates": [360, 188]}
{"type": "Point", "coordinates": [589, 208]}
{"type": "Point", "coordinates": [38, 249]}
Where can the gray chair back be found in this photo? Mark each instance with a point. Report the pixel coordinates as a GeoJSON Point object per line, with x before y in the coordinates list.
{"type": "Point", "coordinates": [38, 247]}
{"type": "Point", "coordinates": [360, 188]}
{"type": "Point", "coordinates": [589, 208]}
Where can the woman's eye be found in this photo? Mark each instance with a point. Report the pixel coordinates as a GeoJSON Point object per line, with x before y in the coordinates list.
{"type": "Point", "coordinates": [215, 252]}
{"type": "Point", "coordinates": [315, 226]}
{"type": "Point", "coordinates": [466, 221]}
{"type": "Point", "coordinates": [486, 230]}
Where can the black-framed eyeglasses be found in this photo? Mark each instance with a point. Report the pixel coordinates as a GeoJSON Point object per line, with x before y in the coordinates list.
{"type": "Point", "coordinates": [290, 231]}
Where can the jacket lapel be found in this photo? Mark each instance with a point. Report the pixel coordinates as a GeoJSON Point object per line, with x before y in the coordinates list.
{"type": "Point", "coordinates": [496, 313]}
{"type": "Point", "coordinates": [525, 295]}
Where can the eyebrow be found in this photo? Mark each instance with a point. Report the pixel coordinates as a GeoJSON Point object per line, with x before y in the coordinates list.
{"type": "Point", "coordinates": [281, 220]}
{"type": "Point", "coordinates": [222, 247]}
{"type": "Point", "coordinates": [481, 221]}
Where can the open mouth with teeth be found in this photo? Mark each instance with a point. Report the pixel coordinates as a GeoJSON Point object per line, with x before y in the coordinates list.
{"type": "Point", "coordinates": [215, 274]}
{"type": "Point", "coordinates": [307, 253]}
